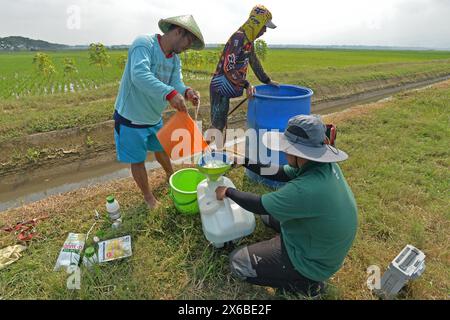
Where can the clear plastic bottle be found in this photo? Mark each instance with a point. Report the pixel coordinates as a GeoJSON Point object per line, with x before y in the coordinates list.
{"type": "Point", "coordinates": [90, 257]}
{"type": "Point", "coordinates": [117, 224]}
{"type": "Point", "coordinates": [113, 208]}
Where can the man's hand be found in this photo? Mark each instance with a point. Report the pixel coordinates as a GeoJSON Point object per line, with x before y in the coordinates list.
{"type": "Point", "coordinates": [178, 103]}
{"type": "Point", "coordinates": [274, 83]}
{"type": "Point", "coordinates": [250, 91]}
{"type": "Point", "coordinates": [193, 96]}
{"type": "Point", "coordinates": [220, 192]}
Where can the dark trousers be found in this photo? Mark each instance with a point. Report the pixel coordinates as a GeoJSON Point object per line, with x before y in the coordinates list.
{"type": "Point", "coordinates": [219, 110]}
{"type": "Point", "coordinates": [267, 263]}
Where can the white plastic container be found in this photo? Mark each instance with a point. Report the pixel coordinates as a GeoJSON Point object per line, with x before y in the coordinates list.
{"type": "Point", "coordinates": [408, 265]}
{"type": "Point", "coordinates": [113, 208]}
{"type": "Point", "coordinates": [117, 224]}
{"type": "Point", "coordinates": [222, 221]}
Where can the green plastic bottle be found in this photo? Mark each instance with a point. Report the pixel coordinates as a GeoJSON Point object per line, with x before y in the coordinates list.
{"type": "Point", "coordinates": [90, 257]}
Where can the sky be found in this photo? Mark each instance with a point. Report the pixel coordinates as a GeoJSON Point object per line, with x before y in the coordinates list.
{"type": "Point", "coordinates": [406, 23]}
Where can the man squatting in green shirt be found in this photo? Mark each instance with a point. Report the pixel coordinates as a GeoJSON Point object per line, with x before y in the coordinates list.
{"type": "Point", "coordinates": [314, 213]}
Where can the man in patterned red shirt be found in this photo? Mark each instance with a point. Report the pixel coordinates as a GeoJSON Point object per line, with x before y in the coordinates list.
{"type": "Point", "coordinates": [229, 80]}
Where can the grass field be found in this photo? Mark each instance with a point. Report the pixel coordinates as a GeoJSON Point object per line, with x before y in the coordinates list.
{"type": "Point", "coordinates": [398, 171]}
{"type": "Point", "coordinates": [18, 78]}
{"type": "Point", "coordinates": [29, 106]}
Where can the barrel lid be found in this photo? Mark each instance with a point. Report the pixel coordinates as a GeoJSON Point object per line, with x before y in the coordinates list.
{"type": "Point", "coordinates": [280, 92]}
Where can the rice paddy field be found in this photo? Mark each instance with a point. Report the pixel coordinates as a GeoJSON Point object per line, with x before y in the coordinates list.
{"type": "Point", "coordinates": [19, 79]}
{"type": "Point", "coordinates": [31, 102]}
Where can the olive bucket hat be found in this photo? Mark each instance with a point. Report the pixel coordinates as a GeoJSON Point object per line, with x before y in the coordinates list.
{"type": "Point", "coordinates": [186, 22]}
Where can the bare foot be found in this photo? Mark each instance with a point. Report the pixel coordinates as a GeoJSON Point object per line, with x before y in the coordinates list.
{"type": "Point", "coordinates": [152, 203]}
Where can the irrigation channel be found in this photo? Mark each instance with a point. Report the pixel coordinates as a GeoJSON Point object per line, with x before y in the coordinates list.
{"type": "Point", "coordinates": [36, 189]}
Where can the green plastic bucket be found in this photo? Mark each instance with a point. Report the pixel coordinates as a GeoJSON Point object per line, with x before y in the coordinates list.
{"type": "Point", "coordinates": [183, 189]}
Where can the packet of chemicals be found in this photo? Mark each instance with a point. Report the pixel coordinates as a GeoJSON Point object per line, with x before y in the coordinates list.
{"type": "Point", "coordinates": [71, 251]}
{"type": "Point", "coordinates": [114, 249]}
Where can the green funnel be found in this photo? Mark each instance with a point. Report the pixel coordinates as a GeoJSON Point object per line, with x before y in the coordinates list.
{"type": "Point", "coordinates": [214, 165]}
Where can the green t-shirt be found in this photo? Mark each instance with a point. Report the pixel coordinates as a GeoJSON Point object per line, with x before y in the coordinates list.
{"type": "Point", "coordinates": [318, 216]}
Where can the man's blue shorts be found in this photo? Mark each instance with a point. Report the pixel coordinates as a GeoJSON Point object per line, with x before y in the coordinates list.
{"type": "Point", "coordinates": [132, 144]}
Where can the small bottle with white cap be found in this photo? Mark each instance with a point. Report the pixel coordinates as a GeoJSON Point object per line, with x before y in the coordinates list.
{"type": "Point", "coordinates": [113, 208]}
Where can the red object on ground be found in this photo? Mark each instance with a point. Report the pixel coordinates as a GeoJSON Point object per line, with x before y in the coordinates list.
{"type": "Point", "coordinates": [331, 134]}
{"type": "Point", "coordinates": [26, 229]}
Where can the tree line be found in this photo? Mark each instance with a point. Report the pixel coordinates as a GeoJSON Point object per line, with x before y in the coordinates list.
{"type": "Point", "coordinates": [99, 57]}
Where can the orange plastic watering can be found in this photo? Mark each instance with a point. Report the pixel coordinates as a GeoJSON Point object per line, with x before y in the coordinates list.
{"type": "Point", "coordinates": [180, 136]}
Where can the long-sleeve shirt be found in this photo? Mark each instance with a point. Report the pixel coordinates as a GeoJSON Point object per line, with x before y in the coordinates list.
{"type": "Point", "coordinates": [250, 201]}
{"type": "Point", "coordinates": [229, 80]}
{"type": "Point", "coordinates": [150, 79]}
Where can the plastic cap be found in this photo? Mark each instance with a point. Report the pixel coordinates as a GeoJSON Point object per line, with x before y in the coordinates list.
{"type": "Point", "coordinates": [110, 199]}
{"type": "Point", "coordinates": [89, 252]}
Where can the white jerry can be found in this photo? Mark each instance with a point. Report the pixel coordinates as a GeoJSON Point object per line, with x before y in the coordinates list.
{"type": "Point", "coordinates": [222, 221]}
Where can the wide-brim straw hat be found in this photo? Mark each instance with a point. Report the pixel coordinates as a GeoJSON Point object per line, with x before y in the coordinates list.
{"type": "Point", "coordinates": [186, 22]}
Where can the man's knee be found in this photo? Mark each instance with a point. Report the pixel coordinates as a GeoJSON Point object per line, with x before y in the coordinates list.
{"type": "Point", "coordinates": [241, 265]}
{"type": "Point", "coordinates": [137, 165]}
{"type": "Point", "coordinates": [271, 222]}
{"type": "Point", "coordinates": [265, 218]}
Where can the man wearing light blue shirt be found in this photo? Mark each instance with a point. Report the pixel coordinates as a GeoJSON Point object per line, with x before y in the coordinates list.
{"type": "Point", "coordinates": [152, 79]}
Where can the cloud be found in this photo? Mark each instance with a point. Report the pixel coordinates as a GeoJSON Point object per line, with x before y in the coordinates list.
{"type": "Point", "coordinates": [364, 22]}
{"type": "Point", "coordinates": [405, 23]}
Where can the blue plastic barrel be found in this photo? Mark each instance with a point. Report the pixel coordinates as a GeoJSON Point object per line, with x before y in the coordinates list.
{"type": "Point", "coordinates": [270, 109]}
